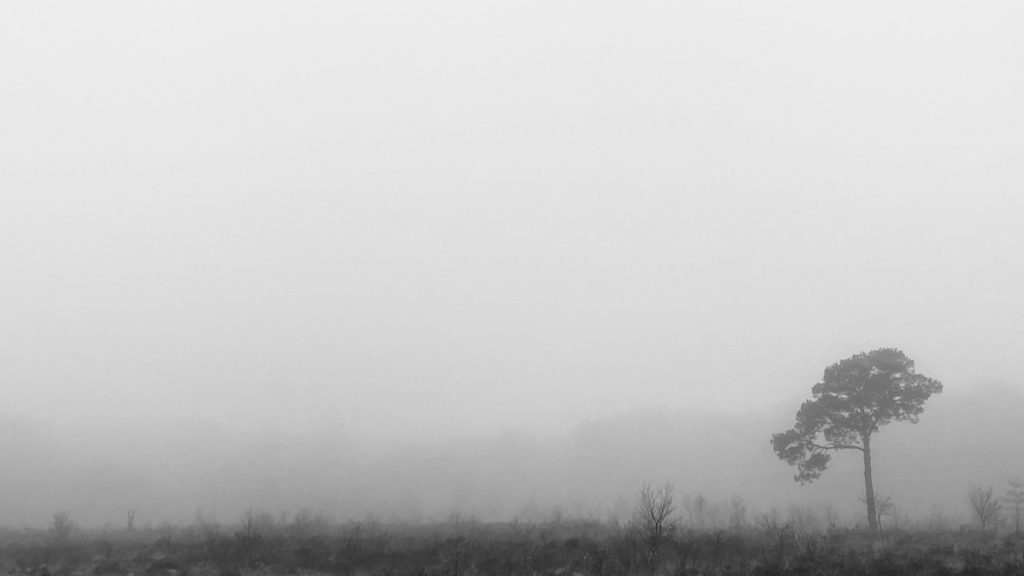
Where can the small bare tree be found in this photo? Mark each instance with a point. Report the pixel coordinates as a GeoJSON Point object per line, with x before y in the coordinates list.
{"type": "Point", "coordinates": [883, 508]}
{"type": "Point", "coordinates": [831, 519]}
{"type": "Point", "coordinates": [250, 537]}
{"type": "Point", "coordinates": [62, 526]}
{"type": "Point", "coordinates": [737, 514]}
{"type": "Point", "coordinates": [1015, 502]}
{"type": "Point", "coordinates": [653, 515]}
{"type": "Point", "coordinates": [985, 505]}
{"type": "Point", "coordinates": [697, 507]}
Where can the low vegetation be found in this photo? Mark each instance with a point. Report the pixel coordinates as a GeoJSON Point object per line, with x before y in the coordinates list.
{"type": "Point", "coordinates": [650, 544]}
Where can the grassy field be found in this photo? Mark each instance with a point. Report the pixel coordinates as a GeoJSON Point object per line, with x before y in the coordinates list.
{"type": "Point", "coordinates": [308, 545]}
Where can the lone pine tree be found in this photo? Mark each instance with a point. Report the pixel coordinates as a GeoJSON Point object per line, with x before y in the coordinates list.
{"type": "Point", "coordinates": [855, 397]}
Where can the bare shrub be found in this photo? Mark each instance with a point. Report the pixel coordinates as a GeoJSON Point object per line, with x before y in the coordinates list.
{"type": "Point", "coordinates": [653, 515]}
{"type": "Point", "coordinates": [985, 505]}
{"type": "Point", "coordinates": [62, 526]}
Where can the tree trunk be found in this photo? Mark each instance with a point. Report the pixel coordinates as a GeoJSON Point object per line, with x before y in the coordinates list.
{"type": "Point", "coordinates": [869, 489]}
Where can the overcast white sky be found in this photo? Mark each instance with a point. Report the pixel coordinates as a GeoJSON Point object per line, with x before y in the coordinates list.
{"type": "Point", "coordinates": [409, 219]}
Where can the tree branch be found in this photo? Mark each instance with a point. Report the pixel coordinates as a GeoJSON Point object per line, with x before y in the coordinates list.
{"type": "Point", "coordinates": [835, 447]}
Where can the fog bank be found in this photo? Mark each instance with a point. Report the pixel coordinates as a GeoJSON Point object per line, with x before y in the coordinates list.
{"type": "Point", "coordinates": [178, 473]}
